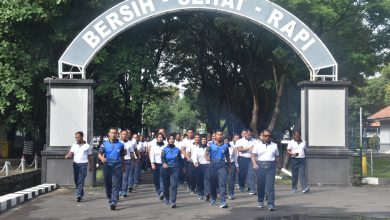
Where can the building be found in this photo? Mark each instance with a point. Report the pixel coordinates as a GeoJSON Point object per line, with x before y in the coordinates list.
{"type": "Point", "coordinates": [383, 116]}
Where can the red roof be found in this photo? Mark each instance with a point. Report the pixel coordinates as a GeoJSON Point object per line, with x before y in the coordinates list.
{"type": "Point", "coordinates": [375, 124]}
{"type": "Point", "coordinates": [382, 114]}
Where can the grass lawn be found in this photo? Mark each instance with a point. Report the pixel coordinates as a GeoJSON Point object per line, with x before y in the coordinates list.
{"type": "Point", "coordinates": [380, 165]}
{"type": "Point", "coordinates": [99, 174]}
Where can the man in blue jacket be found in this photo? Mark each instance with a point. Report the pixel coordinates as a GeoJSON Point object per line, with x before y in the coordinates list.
{"type": "Point", "coordinates": [218, 155]}
{"type": "Point", "coordinates": [111, 153]}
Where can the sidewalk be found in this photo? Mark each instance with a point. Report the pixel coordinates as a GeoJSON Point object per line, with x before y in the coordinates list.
{"type": "Point", "coordinates": [321, 203]}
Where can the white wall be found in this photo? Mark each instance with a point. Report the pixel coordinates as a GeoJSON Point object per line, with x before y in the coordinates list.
{"type": "Point", "coordinates": [385, 136]}
{"type": "Point", "coordinates": [68, 114]}
{"type": "Point", "coordinates": [326, 109]}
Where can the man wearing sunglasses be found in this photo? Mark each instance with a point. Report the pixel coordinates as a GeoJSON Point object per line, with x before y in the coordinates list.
{"type": "Point", "coordinates": [265, 159]}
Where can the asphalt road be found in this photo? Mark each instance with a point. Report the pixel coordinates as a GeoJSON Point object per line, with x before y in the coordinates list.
{"type": "Point", "coordinates": [321, 203]}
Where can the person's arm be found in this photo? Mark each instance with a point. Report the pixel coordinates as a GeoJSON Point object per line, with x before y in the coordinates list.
{"type": "Point", "coordinates": [188, 153]}
{"type": "Point", "coordinates": [289, 148]}
{"type": "Point", "coordinates": [151, 158]}
{"type": "Point", "coordinates": [164, 159]}
{"type": "Point", "coordinates": [123, 153]}
{"type": "Point", "coordinates": [240, 147]}
{"type": "Point", "coordinates": [207, 154]}
{"type": "Point", "coordinates": [69, 154]}
{"type": "Point", "coordinates": [236, 159]}
{"type": "Point", "coordinates": [102, 158]}
{"type": "Point", "coordinates": [90, 162]}
{"type": "Point", "coordinates": [254, 159]}
{"type": "Point", "coordinates": [227, 156]}
{"type": "Point", "coordinates": [277, 160]}
{"type": "Point", "coordinates": [195, 158]}
{"type": "Point", "coordinates": [101, 155]}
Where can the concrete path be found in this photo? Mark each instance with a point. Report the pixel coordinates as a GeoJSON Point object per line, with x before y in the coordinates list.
{"type": "Point", "coordinates": [321, 203]}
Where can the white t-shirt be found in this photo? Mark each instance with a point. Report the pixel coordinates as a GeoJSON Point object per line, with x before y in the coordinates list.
{"type": "Point", "coordinates": [246, 144]}
{"type": "Point", "coordinates": [265, 152]}
{"type": "Point", "coordinates": [141, 147]}
{"type": "Point", "coordinates": [297, 148]}
{"type": "Point", "coordinates": [155, 153]}
{"type": "Point", "coordinates": [180, 145]}
{"type": "Point", "coordinates": [192, 149]}
{"type": "Point", "coordinates": [130, 147]}
{"type": "Point", "coordinates": [154, 141]}
{"type": "Point", "coordinates": [233, 153]}
{"type": "Point", "coordinates": [81, 152]}
{"type": "Point", "coordinates": [198, 156]}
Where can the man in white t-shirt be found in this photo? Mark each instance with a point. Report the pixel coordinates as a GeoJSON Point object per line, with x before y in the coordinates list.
{"type": "Point", "coordinates": [296, 148]}
{"type": "Point", "coordinates": [187, 143]}
{"type": "Point", "coordinates": [82, 155]}
{"type": "Point", "coordinates": [130, 147]}
{"type": "Point", "coordinates": [265, 160]}
{"type": "Point", "coordinates": [180, 144]}
{"type": "Point", "coordinates": [244, 148]}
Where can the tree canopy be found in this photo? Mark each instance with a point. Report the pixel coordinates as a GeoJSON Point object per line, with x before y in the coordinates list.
{"type": "Point", "coordinates": [233, 70]}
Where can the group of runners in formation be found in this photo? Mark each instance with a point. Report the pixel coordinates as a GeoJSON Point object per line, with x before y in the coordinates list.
{"type": "Point", "coordinates": [209, 165]}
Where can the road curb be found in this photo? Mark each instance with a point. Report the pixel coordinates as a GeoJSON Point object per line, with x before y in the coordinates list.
{"type": "Point", "coordinates": [14, 199]}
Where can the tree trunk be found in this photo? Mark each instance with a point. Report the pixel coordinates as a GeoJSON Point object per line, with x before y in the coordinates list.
{"type": "Point", "coordinates": [279, 93]}
{"type": "Point", "coordinates": [255, 114]}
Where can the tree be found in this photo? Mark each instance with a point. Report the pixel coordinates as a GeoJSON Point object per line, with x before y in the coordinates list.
{"type": "Point", "coordinates": [184, 117]}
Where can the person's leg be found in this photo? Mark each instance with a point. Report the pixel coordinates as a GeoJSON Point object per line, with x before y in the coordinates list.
{"type": "Point", "coordinates": [156, 179]}
{"type": "Point", "coordinates": [126, 176]}
{"type": "Point", "coordinates": [181, 173]}
{"type": "Point", "coordinates": [222, 182]}
{"type": "Point", "coordinates": [107, 172]}
{"type": "Point", "coordinates": [232, 179]}
{"type": "Point", "coordinates": [166, 183]}
{"type": "Point", "coordinates": [294, 171]}
{"type": "Point", "coordinates": [270, 185]}
{"type": "Point", "coordinates": [82, 175]}
{"type": "Point", "coordinates": [213, 182]}
{"type": "Point", "coordinates": [200, 182]}
{"type": "Point", "coordinates": [116, 179]}
{"type": "Point", "coordinates": [260, 185]}
{"type": "Point", "coordinates": [75, 176]}
{"type": "Point", "coordinates": [191, 176]}
{"type": "Point", "coordinates": [206, 180]}
{"type": "Point", "coordinates": [243, 164]}
{"type": "Point", "coordinates": [302, 174]}
{"type": "Point", "coordinates": [174, 178]}
{"type": "Point", "coordinates": [251, 178]}
{"type": "Point", "coordinates": [137, 166]}
{"type": "Point", "coordinates": [161, 181]}
{"type": "Point", "coordinates": [132, 174]}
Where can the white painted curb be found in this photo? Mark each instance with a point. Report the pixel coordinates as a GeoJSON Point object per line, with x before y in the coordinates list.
{"type": "Point", "coordinates": [13, 199]}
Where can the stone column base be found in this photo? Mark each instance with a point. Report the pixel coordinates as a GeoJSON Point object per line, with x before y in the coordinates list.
{"type": "Point", "coordinates": [330, 166]}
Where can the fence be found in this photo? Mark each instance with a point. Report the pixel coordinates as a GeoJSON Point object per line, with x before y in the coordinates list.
{"type": "Point", "coordinates": [7, 169]}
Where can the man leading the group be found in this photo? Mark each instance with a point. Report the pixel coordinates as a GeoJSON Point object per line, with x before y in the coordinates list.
{"type": "Point", "coordinates": [82, 155]}
{"type": "Point", "coordinates": [111, 154]}
{"type": "Point", "coordinates": [218, 155]}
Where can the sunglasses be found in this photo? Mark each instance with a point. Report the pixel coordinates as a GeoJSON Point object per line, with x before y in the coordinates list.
{"type": "Point", "coordinates": [266, 135]}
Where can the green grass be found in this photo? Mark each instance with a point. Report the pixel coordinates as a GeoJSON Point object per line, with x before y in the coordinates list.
{"type": "Point", "coordinates": [380, 164]}
{"type": "Point", "coordinates": [99, 174]}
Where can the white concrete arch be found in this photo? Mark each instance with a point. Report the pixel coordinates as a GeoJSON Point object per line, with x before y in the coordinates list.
{"type": "Point", "coordinates": [262, 12]}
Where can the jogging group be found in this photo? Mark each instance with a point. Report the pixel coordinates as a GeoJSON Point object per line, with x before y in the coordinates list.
{"type": "Point", "coordinates": [212, 167]}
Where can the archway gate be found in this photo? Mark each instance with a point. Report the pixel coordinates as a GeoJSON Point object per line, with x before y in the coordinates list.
{"type": "Point", "coordinates": [323, 98]}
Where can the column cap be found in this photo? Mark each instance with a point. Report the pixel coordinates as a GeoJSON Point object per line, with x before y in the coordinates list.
{"type": "Point", "coordinates": [324, 84]}
{"type": "Point", "coordinates": [70, 82]}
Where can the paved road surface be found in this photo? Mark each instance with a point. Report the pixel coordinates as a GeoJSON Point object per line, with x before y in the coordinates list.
{"type": "Point", "coordinates": [321, 203]}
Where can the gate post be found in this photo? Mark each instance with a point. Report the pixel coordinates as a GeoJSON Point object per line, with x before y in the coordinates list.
{"type": "Point", "coordinates": [324, 126]}
{"type": "Point", "coordinates": [69, 109]}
